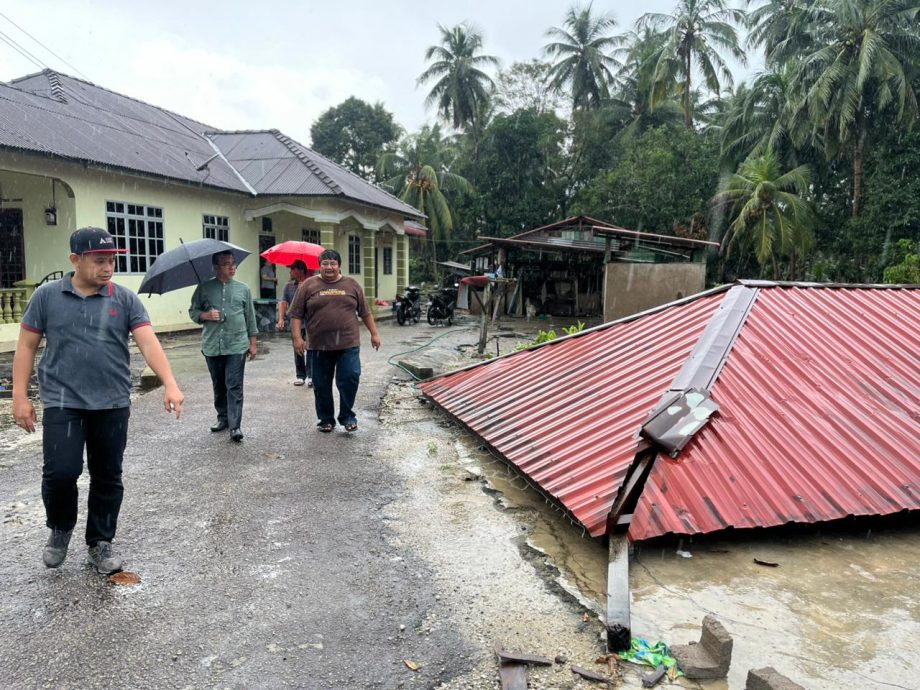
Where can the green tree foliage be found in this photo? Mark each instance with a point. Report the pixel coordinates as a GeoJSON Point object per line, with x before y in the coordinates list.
{"type": "Point", "coordinates": [583, 65]}
{"type": "Point", "coordinates": [419, 172]}
{"type": "Point", "coordinates": [663, 178]}
{"type": "Point", "coordinates": [907, 270]}
{"type": "Point", "coordinates": [768, 210]}
{"type": "Point", "coordinates": [693, 36]}
{"type": "Point", "coordinates": [460, 87]}
{"type": "Point", "coordinates": [516, 174]}
{"type": "Point", "coordinates": [354, 134]}
{"type": "Point", "coordinates": [854, 74]}
{"type": "Point", "coordinates": [523, 87]}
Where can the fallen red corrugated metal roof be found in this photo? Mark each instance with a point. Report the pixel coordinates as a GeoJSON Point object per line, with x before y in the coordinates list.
{"type": "Point", "coordinates": [819, 418]}
{"type": "Point", "coordinates": [567, 414]}
{"type": "Point", "coordinates": [819, 412]}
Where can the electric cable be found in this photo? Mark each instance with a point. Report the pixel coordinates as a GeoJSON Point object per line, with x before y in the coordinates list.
{"type": "Point", "coordinates": [44, 46]}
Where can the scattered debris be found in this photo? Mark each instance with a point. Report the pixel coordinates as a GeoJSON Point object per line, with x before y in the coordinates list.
{"type": "Point", "coordinates": [612, 660]}
{"type": "Point", "coordinates": [507, 657]}
{"type": "Point", "coordinates": [560, 659]}
{"type": "Point", "coordinates": [769, 678]}
{"type": "Point", "coordinates": [274, 456]}
{"type": "Point", "coordinates": [684, 554]}
{"type": "Point", "coordinates": [411, 665]}
{"type": "Point", "coordinates": [711, 657]}
{"type": "Point", "coordinates": [124, 578]}
{"type": "Point", "coordinates": [650, 680]}
{"type": "Point", "coordinates": [589, 675]}
{"type": "Point", "coordinates": [769, 564]}
{"type": "Point", "coordinates": [513, 676]}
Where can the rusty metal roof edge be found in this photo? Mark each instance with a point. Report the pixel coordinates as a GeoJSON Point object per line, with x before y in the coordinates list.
{"type": "Point", "coordinates": [530, 481]}
{"type": "Point", "coordinates": [593, 329]}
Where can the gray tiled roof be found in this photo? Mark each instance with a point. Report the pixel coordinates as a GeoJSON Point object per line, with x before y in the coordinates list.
{"type": "Point", "coordinates": [273, 163]}
{"type": "Point", "coordinates": [55, 114]}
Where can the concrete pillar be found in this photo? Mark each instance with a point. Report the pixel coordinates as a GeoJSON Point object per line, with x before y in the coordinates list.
{"type": "Point", "coordinates": [327, 235]}
{"type": "Point", "coordinates": [402, 264]}
{"type": "Point", "coordinates": [369, 265]}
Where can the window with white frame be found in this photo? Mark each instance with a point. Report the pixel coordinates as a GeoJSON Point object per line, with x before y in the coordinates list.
{"type": "Point", "coordinates": [388, 261]}
{"type": "Point", "coordinates": [310, 236]}
{"type": "Point", "coordinates": [354, 254]}
{"type": "Point", "coordinates": [137, 228]}
{"type": "Point", "coordinates": [216, 228]}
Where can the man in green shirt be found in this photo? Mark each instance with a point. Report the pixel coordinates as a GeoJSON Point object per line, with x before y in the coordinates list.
{"type": "Point", "coordinates": [224, 308]}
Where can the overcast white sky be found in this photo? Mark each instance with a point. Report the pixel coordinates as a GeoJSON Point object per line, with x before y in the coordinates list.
{"type": "Point", "coordinates": [275, 63]}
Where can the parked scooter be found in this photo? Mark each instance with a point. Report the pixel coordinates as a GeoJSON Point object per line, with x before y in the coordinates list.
{"type": "Point", "coordinates": [408, 307]}
{"type": "Point", "coordinates": [441, 305]}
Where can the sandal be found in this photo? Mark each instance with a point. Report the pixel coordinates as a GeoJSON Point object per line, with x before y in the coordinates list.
{"type": "Point", "coordinates": [351, 426]}
{"type": "Point", "coordinates": [325, 427]}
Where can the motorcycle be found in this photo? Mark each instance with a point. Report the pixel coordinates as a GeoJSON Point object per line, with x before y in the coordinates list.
{"type": "Point", "coordinates": [408, 307]}
{"type": "Point", "coordinates": [441, 305]}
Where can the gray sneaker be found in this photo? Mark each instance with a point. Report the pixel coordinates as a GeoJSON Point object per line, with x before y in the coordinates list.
{"type": "Point", "coordinates": [105, 560]}
{"type": "Point", "coordinates": [56, 549]}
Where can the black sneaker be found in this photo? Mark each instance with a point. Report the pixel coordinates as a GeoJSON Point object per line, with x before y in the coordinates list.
{"type": "Point", "coordinates": [236, 435]}
{"type": "Point", "coordinates": [105, 560]}
{"type": "Point", "coordinates": [56, 549]}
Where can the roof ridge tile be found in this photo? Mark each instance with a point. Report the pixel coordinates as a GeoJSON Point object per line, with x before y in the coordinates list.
{"type": "Point", "coordinates": [295, 148]}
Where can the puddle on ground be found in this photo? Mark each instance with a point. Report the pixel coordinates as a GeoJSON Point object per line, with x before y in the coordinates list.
{"type": "Point", "coordinates": [839, 611]}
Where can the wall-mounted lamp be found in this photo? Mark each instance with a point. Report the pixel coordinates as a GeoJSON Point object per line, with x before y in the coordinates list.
{"type": "Point", "coordinates": [51, 211]}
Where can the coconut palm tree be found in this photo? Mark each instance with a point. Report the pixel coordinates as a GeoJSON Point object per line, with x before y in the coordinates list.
{"type": "Point", "coordinates": [778, 26]}
{"type": "Point", "coordinates": [418, 172]}
{"type": "Point", "coordinates": [460, 86]}
{"type": "Point", "coordinates": [693, 35]}
{"type": "Point", "coordinates": [856, 75]}
{"type": "Point", "coordinates": [769, 208]}
{"type": "Point", "coordinates": [581, 52]}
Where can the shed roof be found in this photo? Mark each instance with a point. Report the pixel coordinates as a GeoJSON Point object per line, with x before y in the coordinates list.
{"type": "Point", "coordinates": [55, 114]}
{"type": "Point", "coordinates": [819, 419]}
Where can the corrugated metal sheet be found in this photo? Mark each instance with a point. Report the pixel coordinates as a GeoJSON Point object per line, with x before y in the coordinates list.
{"type": "Point", "coordinates": [819, 412]}
{"type": "Point", "coordinates": [819, 418]}
{"type": "Point", "coordinates": [568, 414]}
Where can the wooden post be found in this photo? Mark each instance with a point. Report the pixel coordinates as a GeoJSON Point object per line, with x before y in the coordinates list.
{"type": "Point", "coordinates": [618, 625]}
{"type": "Point", "coordinates": [484, 323]}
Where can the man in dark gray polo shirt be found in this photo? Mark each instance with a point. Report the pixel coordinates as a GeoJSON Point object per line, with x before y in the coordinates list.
{"type": "Point", "coordinates": [84, 378]}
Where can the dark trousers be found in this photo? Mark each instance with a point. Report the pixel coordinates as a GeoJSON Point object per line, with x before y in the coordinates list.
{"type": "Point", "coordinates": [104, 434]}
{"type": "Point", "coordinates": [227, 379]}
{"type": "Point", "coordinates": [345, 367]}
{"type": "Point", "coordinates": [303, 365]}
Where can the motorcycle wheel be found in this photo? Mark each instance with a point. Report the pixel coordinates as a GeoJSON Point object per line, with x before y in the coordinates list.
{"type": "Point", "coordinates": [400, 317]}
{"type": "Point", "coordinates": [450, 319]}
{"type": "Point", "coordinates": [432, 321]}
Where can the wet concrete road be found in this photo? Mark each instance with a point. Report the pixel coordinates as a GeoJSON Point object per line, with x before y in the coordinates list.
{"type": "Point", "coordinates": [311, 560]}
{"type": "Point", "coordinates": [264, 564]}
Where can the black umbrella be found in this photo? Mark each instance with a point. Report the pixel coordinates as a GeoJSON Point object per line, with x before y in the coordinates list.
{"type": "Point", "coordinates": [188, 264]}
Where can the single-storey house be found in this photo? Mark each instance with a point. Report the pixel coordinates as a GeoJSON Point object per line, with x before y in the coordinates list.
{"type": "Point", "coordinates": [74, 154]}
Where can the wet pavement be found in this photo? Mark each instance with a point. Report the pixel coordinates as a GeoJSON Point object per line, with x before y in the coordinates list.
{"type": "Point", "coordinates": [300, 559]}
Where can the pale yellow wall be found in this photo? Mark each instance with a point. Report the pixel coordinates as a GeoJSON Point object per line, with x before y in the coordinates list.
{"type": "Point", "coordinates": [386, 283]}
{"type": "Point", "coordinates": [631, 288]}
{"type": "Point", "coordinates": [47, 248]}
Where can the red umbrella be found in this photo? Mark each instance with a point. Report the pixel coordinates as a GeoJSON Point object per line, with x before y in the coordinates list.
{"type": "Point", "coordinates": [286, 253]}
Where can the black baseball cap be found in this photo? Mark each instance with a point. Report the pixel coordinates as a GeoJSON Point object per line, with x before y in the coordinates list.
{"type": "Point", "coordinates": [93, 241]}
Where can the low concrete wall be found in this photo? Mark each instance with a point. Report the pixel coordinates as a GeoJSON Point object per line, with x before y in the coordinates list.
{"type": "Point", "coordinates": [631, 288]}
